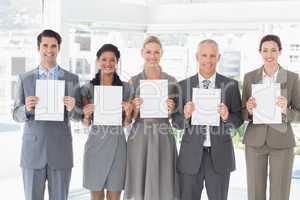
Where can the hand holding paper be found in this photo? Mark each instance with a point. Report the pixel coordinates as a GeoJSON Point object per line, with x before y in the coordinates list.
{"type": "Point", "coordinates": [128, 108]}
{"type": "Point", "coordinates": [50, 106]}
{"type": "Point", "coordinates": [69, 102]}
{"type": "Point", "coordinates": [88, 110]}
{"type": "Point", "coordinates": [188, 109]}
{"type": "Point", "coordinates": [223, 111]}
{"type": "Point", "coordinates": [250, 105]}
{"type": "Point", "coordinates": [108, 105]}
{"type": "Point", "coordinates": [206, 103]}
{"type": "Point", "coordinates": [155, 95]}
{"type": "Point", "coordinates": [137, 102]}
{"type": "Point", "coordinates": [30, 102]}
{"type": "Point", "coordinates": [282, 103]}
{"type": "Point", "coordinates": [266, 110]}
{"type": "Point", "coordinates": [171, 106]}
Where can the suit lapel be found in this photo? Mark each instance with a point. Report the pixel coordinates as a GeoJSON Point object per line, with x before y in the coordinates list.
{"type": "Point", "coordinates": [61, 74]}
{"type": "Point", "coordinates": [194, 83]}
{"type": "Point", "coordinates": [281, 76]}
{"type": "Point", "coordinates": [218, 81]}
{"type": "Point", "coordinates": [282, 80]}
{"type": "Point", "coordinates": [257, 79]}
{"type": "Point", "coordinates": [220, 84]}
{"type": "Point", "coordinates": [33, 78]}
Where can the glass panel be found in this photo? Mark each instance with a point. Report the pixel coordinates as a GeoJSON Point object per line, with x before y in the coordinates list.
{"type": "Point", "coordinates": [20, 22]}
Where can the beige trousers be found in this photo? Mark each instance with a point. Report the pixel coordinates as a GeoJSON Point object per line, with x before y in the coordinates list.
{"type": "Point", "coordinates": [280, 164]}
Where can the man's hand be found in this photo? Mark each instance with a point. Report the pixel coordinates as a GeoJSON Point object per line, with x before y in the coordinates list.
{"type": "Point", "coordinates": [188, 110]}
{"type": "Point", "coordinates": [30, 102]}
{"type": "Point", "coordinates": [223, 111]}
{"type": "Point", "coordinates": [69, 102]}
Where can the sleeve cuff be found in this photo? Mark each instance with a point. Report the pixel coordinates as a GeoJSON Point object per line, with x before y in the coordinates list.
{"type": "Point", "coordinates": [28, 114]}
{"type": "Point", "coordinates": [187, 123]}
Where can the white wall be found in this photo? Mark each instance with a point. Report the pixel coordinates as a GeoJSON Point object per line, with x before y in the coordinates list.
{"type": "Point", "coordinates": [106, 14]}
{"type": "Point", "coordinates": [104, 11]}
{"type": "Point", "coordinates": [113, 14]}
{"type": "Point", "coordinates": [196, 17]}
{"type": "Point", "coordinates": [225, 12]}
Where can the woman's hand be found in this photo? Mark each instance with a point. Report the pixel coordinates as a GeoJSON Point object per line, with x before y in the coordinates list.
{"type": "Point", "coordinates": [281, 101]}
{"type": "Point", "coordinates": [171, 106]}
{"type": "Point", "coordinates": [137, 102]}
{"type": "Point", "coordinates": [88, 110]}
{"type": "Point", "coordinates": [251, 103]}
{"type": "Point", "coordinates": [128, 108]}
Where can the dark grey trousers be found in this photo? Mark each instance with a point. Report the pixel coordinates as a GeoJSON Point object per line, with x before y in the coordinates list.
{"type": "Point", "coordinates": [216, 185]}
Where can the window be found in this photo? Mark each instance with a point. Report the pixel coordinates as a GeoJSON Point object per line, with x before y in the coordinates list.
{"type": "Point", "coordinates": [20, 22]}
{"type": "Point", "coordinates": [18, 65]}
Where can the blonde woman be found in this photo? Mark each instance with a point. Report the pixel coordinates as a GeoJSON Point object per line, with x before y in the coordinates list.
{"type": "Point", "coordinates": [151, 148]}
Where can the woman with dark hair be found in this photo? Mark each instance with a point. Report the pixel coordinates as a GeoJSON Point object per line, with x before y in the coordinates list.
{"type": "Point", "coordinates": [271, 145]}
{"type": "Point", "coordinates": [105, 149]}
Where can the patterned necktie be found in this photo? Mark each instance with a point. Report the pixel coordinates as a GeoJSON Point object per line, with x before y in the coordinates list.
{"type": "Point", "coordinates": [205, 84]}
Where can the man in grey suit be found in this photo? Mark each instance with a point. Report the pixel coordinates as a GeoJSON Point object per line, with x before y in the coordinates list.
{"type": "Point", "coordinates": [47, 153]}
{"type": "Point", "coordinates": [206, 153]}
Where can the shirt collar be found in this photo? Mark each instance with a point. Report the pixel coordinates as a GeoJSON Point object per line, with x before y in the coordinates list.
{"type": "Point", "coordinates": [212, 79]}
{"type": "Point", "coordinates": [274, 76]}
{"type": "Point", "coordinates": [43, 70]}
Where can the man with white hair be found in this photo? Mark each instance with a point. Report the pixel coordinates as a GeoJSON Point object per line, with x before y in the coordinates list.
{"type": "Point", "coordinates": [206, 153]}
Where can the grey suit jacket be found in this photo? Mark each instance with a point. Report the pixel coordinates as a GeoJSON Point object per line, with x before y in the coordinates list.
{"type": "Point", "coordinates": [45, 142]}
{"type": "Point", "coordinates": [274, 135]}
{"type": "Point", "coordinates": [191, 149]}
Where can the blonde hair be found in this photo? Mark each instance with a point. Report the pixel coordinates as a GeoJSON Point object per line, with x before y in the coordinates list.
{"type": "Point", "coordinates": [152, 39]}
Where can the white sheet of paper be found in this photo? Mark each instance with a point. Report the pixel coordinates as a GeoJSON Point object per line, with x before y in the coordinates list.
{"type": "Point", "coordinates": [108, 105]}
{"type": "Point", "coordinates": [155, 95]}
{"type": "Point", "coordinates": [206, 103]}
{"type": "Point", "coordinates": [266, 111]}
{"type": "Point", "coordinates": [50, 106]}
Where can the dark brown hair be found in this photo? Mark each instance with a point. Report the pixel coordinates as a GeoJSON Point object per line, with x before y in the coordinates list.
{"type": "Point", "coordinates": [48, 33]}
{"type": "Point", "coordinates": [108, 48]}
{"type": "Point", "coordinates": [273, 38]}
{"type": "Point", "coordinates": [111, 48]}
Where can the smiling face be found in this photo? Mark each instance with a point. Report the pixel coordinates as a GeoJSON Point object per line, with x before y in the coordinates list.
{"type": "Point", "coordinates": [208, 57]}
{"type": "Point", "coordinates": [48, 49]}
{"type": "Point", "coordinates": [152, 53]}
{"type": "Point", "coordinates": [270, 53]}
{"type": "Point", "coordinates": [107, 62]}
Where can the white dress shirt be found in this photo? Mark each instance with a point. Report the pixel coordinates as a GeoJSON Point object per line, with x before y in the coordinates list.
{"type": "Point", "coordinates": [266, 79]}
{"type": "Point", "coordinates": [212, 79]}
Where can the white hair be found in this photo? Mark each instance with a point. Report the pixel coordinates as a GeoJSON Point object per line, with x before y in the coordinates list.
{"type": "Point", "coordinates": [209, 41]}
